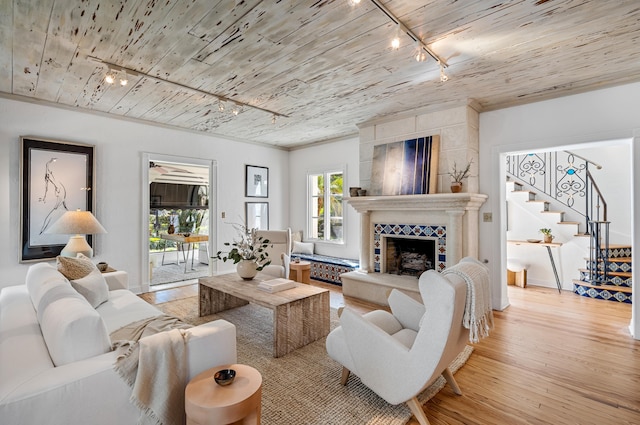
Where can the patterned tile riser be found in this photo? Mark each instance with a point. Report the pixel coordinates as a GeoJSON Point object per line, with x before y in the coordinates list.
{"type": "Point", "coordinates": [614, 266]}
{"type": "Point", "coordinates": [417, 230]}
{"type": "Point", "coordinates": [613, 280]}
{"type": "Point", "coordinates": [602, 294]}
{"type": "Point", "coordinates": [616, 253]}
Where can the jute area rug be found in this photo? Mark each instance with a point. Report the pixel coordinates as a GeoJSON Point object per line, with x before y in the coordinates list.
{"type": "Point", "coordinates": [303, 387]}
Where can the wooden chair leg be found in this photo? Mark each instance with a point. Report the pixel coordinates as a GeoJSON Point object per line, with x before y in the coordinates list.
{"type": "Point", "coordinates": [417, 411]}
{"type": "Point", "coordinates": [345, 376]}
{"type": "Point", "coordinates": [452, 382]}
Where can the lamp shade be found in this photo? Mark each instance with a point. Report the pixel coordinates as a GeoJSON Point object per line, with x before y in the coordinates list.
{"type": "Point", "coordinates": [78, 223]}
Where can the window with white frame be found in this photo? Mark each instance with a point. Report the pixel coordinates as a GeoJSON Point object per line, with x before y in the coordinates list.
{"type": "Point", "coordinates": [325, 219]}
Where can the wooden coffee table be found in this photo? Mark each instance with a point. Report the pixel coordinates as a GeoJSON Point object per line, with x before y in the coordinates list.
{"type": "Point", "coordinates": [300, 314]}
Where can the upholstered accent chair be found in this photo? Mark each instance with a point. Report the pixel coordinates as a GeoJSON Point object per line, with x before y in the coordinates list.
{"type": "Point", "coordinates": [399, 354]}
{"type": "Point", "coordinates": [279, 251]}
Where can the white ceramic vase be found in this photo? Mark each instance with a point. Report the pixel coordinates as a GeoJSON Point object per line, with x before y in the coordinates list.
{"type": "Point", "coordinates": [247, 269]}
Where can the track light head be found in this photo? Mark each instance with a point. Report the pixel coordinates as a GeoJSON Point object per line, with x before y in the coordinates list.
{"type": "Point", "coordinates": [110, 77]}
{"type": "Point", "coordinates": [443, 76]}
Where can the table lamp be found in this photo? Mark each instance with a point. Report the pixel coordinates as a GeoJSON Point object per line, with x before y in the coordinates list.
{"type": "Point", "coordinates": [77, 223]}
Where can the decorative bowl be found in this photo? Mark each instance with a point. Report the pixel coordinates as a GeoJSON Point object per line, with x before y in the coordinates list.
{"type": "Point", "coordinates": [534, 240]}
{"type": "Point", "coordinates": [102, 266]}
{"type": "Point", "coordinates": [224, 376]}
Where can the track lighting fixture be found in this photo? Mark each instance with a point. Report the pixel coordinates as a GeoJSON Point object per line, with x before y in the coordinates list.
{"type": "Point", "coordinates": [422, 50]}
{"type": "Point", "coordinates": [115, 70]}
{"type": "Point", "coordinates": [110, 77]}
{"type": "Point", "coordinates": [273, 119]}
{"type": "Point", "coordinates": [395, 42]}
{"type": "Point", "coordinates": [443, 76]}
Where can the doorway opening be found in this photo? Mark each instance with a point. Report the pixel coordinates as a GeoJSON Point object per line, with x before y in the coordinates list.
{"type": "Point", "coordinates": [179, 230]}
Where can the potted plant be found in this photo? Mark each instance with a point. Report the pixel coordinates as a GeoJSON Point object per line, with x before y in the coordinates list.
{"type": "Point", "coordinates": [548, 237]}
{"type": "Point", "coordinates": [457, 176]}
{"type": "Point", "coordinates": [248, 252]}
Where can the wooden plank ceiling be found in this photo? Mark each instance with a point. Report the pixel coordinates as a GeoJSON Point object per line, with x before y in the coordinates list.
{"type": "Point", "coordinates": [323, 64]}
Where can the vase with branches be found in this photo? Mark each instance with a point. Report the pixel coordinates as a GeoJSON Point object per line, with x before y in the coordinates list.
{"type": "Point", "coordinates": [458, 175]}
{"type": "Point", "coordinates": [248, 251]}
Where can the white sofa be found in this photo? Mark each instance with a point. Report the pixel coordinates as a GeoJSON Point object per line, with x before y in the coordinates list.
{"type": "Point", "coordinates": [56, 367]}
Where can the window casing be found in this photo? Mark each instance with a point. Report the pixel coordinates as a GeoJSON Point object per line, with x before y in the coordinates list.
{"type": "Point", "coordinates": [321, 195]}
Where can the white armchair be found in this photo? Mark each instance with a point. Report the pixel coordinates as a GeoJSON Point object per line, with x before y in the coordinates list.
{"type": "Point", "coordinates": [400, 354]}
{"type": "Point", "coordinates": [279, 251]}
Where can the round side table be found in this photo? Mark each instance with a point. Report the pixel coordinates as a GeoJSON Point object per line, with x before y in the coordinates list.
{"type": "Point", "coordinates": [300, 271]}
{"type": "Point", "coordinates": [207, 403]}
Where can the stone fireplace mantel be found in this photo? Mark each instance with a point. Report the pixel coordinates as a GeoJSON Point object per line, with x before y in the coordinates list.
{"type": "Point", "coordinates": [452, 218]}
{"type": "Point", "coordinates": [457, 211]}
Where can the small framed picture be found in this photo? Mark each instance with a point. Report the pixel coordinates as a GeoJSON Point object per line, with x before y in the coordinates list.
{"type": "Point", "coordinates": [257, 215]}
{"type": "Point", "coordinates": [257, 182]}
{"type": "Point", "coordinates": [55, 177]}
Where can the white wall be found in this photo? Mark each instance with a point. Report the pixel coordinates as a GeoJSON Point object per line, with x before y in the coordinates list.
{"type": "Point", "coordinates": [317, 158]}
{"type": "Point", "coordinates": [120, 145]}
{"type": "Point", "coordinates": [608, 114]}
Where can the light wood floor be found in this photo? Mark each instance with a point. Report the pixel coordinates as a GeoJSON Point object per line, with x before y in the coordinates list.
{"type": "Point", "coordinates": [551, 359]}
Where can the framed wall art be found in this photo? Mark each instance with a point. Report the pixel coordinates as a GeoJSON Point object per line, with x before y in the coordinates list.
{"type": "Point", "coordinates": [257, 215]}
{"type": "Point", "coordinates": [54, 177]}
{"type": "Point", "coordinates": [257, 182]}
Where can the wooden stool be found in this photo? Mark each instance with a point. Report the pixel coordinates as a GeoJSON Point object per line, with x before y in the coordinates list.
{"type": "Point", "coordinates": [207, 403]}
{"type": "Point", "coordinates": [516, 273]}
{"type": "Point", "coordinates": [300, 272]}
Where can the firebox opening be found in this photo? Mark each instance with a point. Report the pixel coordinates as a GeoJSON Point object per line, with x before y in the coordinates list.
{"type": "Point", "coordinates": [409, 256]}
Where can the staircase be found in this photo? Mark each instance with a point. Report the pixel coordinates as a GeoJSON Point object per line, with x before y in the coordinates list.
{"type": "Point", "coordinates": [616, 284]}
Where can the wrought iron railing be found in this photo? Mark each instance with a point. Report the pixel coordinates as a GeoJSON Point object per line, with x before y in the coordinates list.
{"type": "Point", "coordinates": [565, 177]}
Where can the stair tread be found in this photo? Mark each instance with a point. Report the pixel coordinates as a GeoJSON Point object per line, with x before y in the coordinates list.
{"type": "Point", "coordinates": [569, 222]}
{"type": "Point", "coordinates": [624, 289]}
{"type": "Point", "coordinates": [618, 246]}
{"type": "Point", "coordinates": [552, 212]}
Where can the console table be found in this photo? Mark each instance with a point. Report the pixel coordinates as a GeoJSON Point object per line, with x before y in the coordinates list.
{"type": "Point", "coordinates": [548, 246]}
{"type": "Point", "coordinates": [180, 241]}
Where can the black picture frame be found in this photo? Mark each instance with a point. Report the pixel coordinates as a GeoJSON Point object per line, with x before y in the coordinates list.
{"type": "Point", "coordinates": [256, 182]}
{"type": "Point", "coordinates": [257, 215]}
{"type": "Point", "coordinates": [55, 176]}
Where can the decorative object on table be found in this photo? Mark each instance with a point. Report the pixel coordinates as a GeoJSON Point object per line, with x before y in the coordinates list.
{"type": "Point", "coordinates": [353, 191]}
{"type": "Point", "coordinates": [249, 252]}
{"type": "Point", "coordinates": [548, 237]}
{"type": "Point", "coordinates": [362, 192]}
{"type": "Point", "coordinates": [102, 266]}
{"type": "Point", "coordinates": [256, 182]}
{"type": "Point", "coordinates": [171, 230]}
{"type": "Point", "coordinates": [224, 376]}
{"type": "Point", "coordinates": [457, 176]}
{"type": "Point", "coordinates": [77, 223]}
{"type": "Point", "coordinates": [276, 285]}
{"type": "Point", "coordinates": [55, 177]}
{"type": "Point", "coordinates": [534, 240]}
{"type": "Point", "coordinates": [257, 215]}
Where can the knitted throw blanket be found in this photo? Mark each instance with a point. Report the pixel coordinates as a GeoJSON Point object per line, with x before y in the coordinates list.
{"type": "Point", "coordinates": [478, 316]}
{"type": "Point", "coordinates": [152, 360]}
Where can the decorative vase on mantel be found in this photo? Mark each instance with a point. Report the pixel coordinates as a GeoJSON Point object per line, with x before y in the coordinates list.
{"type": "Point", "coordinates": [456, 187]}
{"type": "Point", "coordinates": [247, 269]}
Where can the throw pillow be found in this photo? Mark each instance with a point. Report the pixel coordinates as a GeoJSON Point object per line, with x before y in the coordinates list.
{"type": "Point", "coordinates": [303, 248]}
{"type": "Point", "coordinates": [75, 268]}
{"type": "Point", "coordinates": [93, 287]}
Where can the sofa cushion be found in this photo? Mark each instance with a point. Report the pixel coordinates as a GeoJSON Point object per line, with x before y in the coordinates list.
{"type": "Point", "coordinates": [72, 329]}
{"type": "Point", "coordinates": [125, 307]}
{"type": "Point", "coordinates": [93, 287]}
{"type": "Point", "coordinates": [40, 278]}
{"type": "Point", "coordinates": [302, 248]}
{"type": "Point", "coordinates": [75, 268]}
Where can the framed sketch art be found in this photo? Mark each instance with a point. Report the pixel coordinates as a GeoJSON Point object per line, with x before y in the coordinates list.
{"type": "Point", "coordinates": [257, 215]}
{"type": "Point", "coordinates": [257, 182]}
{"type": "Point", "coordinates": [54, 177]}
